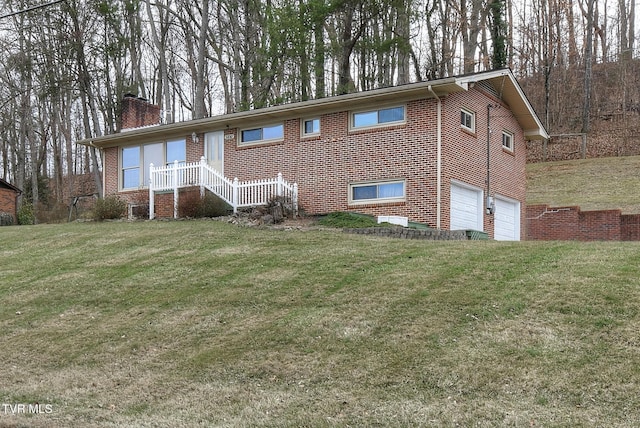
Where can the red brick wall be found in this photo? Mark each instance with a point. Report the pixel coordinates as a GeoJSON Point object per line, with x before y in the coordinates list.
{"type": "Point", "coordinates": [8, 202]}
{"type": "Point", "coordinates": [110, 170]}
{"type": "Point", "coordinates": [570, 223]}
{"type": "Point", "coordinates": [630, 227]}
{"type": "Point", "coordinates": [111, 178]}
{"type": "Point", "coordinates": [465, 154]}
{"type": "Point", "coordinates": [324, 166]}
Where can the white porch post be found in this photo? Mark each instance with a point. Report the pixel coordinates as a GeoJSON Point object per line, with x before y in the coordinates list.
{"type": "Point", "coordinates": [294, 198]}
{"type": "Point", "coordinates": [175, 189]}
{"type": "Point", "coordinates": [280, 185]}
{"type": "Point", "coordinates": [151, 194]}
{"type": "Point", "coordinates": [235, 195]}
{"type": "Point", "coordinates": [203, 162]}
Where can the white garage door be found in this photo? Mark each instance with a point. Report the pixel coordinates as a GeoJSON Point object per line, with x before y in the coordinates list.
{"type": "Point", "coordinates": [507, 220]}
{"type": "Point", "coordinates": [466, 208]}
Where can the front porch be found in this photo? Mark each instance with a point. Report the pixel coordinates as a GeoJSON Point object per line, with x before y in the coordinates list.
{"type": "Point", "coordinates": [237, 194]}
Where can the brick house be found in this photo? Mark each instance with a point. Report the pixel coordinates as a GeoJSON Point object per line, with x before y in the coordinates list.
{"type": "Point", "coordinates": [449, 152]}
{"type": "Point", "coordinates": [9, 199]}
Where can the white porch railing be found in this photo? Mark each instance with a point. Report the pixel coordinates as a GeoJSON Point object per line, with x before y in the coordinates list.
{"type": "Point", "coordinates": [236, 193]}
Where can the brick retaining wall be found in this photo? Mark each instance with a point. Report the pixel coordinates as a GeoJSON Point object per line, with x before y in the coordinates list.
{"type": "Point", "coordinates": [545, 223]}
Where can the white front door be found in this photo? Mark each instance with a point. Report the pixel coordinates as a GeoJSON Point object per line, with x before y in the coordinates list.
{"type": "Point", "coordinates": [214, 150]}
{"type": "Point", "coordinates": [466, 207]}
{"type": "Point", "coordinates": [507, 220]}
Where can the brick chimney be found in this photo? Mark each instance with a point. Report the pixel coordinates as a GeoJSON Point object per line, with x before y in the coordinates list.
{"type": "Point", "coordinates": [137, 112]}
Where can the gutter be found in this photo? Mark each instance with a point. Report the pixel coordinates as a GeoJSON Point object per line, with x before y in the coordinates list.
{"type": "Point", "coordinates": [279, 112]}
{"type": "Point", "coordinates": [489, 201]}
{"type": "Point", "coordinates": [438, 160]}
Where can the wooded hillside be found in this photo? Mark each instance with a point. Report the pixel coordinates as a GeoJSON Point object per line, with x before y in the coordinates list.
{"type": "Point", "coordinates": [66, 65]}
{"type": "Point", "coordinates": [614, 119]}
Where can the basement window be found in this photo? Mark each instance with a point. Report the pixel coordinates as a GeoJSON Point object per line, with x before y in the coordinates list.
{"type": "Point", "coordinates": [376, 192]}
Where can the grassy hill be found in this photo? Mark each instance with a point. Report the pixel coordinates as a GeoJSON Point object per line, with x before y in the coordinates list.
{"type": "Point", "coordinates": [593, 184]}
{"type": "Point", "coordinates": [202, 323]}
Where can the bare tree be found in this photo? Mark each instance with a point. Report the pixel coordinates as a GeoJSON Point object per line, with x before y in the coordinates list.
{"type": "Point", "coordinates": [473, 15]}
{"type": "Point", "coordinates": [588, 65]}
{"type": "Point", "coordinates": [161, 18]}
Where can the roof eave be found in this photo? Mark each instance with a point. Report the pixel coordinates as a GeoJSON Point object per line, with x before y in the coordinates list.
{"type": "Point", "coordinates": [6, 184]}
{"type": "Point", "coordinates": [536, 134]}
{"type": "Point", "coordinates": [312, 107]}
{"type": "Point", "coordinates": [519, 103]}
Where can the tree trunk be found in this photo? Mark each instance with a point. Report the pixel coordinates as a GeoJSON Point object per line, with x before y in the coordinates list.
{"type": "Point", "coordinates": [588, 58]}
{"type": "Point", "coordinates": [165, 90]}
{"type": "Point", "coordinates": [88, 101]}
{"type": "Point", "coordinates": [319, 58]}
{"type": "Point", "coordinates": [199, 105]}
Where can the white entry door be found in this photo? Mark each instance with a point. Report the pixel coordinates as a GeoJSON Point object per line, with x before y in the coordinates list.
{"type": "Point", "coordinates": [214, 150]}
{"type": "Point", "coordinates": [507, 220]}
{"type": "Point", "coordinates": [466, 207]}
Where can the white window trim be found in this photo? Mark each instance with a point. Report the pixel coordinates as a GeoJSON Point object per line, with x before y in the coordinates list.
{"type": "Point", "coordinates": [262, 141]}
{"type": "Point", "coordinates": [141, 167]}
{"type": "Point", "coordinates": [304, 134]}
{"type": "Point", "coordinates": [473, 120]}
{"type": "Point", "coordinates": [121, 168]}
{"type": "Point", "coordinates": [352, 127]}
{"type": "Point", "coordinates": [510, 136]}
{"type": "Point", "coordinates": [377, 200]}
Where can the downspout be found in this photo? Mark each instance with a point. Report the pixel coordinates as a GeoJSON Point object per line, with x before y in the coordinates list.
{"type": "Point", "coordinates": [104, 173]}
{"type": "Point", "coordinates": [489, 204]}
{"type": "Point", "coordinates": [438, 160]}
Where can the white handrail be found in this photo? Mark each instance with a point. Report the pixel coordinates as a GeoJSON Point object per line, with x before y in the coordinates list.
{"type": "Point", "coordinates": [236, 193]}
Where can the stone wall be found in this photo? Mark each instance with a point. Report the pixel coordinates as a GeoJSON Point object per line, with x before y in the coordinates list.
{"type": "Point", "coordinates": [400, 232]}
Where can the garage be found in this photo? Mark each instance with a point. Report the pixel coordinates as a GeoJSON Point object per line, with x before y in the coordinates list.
{"type": "Point", "coordinates": [507, 219]}
{"type": "Point", "coordinates": [466, 207]}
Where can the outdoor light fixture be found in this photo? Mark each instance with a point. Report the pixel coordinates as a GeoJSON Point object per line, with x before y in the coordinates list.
{"type": "Point", "coordinates": [194, 138]}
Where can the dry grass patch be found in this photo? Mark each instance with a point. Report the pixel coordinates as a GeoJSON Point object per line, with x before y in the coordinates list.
{"type": "Point", "coordinates": [592, 184]}
{"type": "Point", "coordinates": [202, 323]}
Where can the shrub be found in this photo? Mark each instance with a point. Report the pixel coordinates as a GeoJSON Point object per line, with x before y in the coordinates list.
{"type": "Point", "coordinates": [213, 206]}
{"type": "Point", "coordinates": [110, 208]}
{"type": "Point", "coordinates": [348, 220]}
{"type": "Point", "coordinates": [193, 206]}
{"type": "Point", "coordinates": [6, 219]}
{"type": "Point", "coordinates": [26, 214]}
